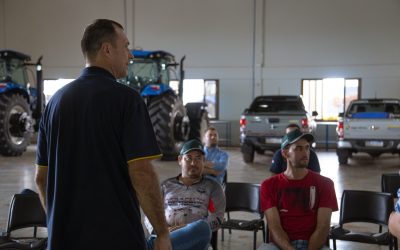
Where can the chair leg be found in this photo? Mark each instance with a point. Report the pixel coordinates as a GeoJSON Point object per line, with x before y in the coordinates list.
{"type": "Point", "coordinates": [222, 234]}
{"type": "Point", "coordinates": [214, 240]}
{"type": "Point", "coordinates": [255, 240]}
{"type": "Point", "coordinates": [334, 244]}
{"type": "Point", "coordinates": [229, 217]}
{"type": "Point", "coordinates": [396, 246]}
{"type": "Point", "coordinates": [264, 236]}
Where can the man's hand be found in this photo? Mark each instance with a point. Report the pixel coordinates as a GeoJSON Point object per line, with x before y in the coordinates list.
{"type": "Point", "coordinates": [208, 164]}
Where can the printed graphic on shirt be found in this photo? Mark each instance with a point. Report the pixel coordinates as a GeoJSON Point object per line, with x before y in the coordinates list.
{"type": "Point", "coordinates": [297, 199]}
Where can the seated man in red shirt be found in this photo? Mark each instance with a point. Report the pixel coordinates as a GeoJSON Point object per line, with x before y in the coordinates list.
{"type": "Point", "coordinates": [297, 203]}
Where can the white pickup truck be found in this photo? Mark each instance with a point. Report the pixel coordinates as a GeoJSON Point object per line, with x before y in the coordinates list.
{"type": "Point", "coordinates": [263, 124]}
{"type": "Point", "coordinates": [369, 125]}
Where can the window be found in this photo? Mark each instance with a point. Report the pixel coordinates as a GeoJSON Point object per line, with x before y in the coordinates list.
{"type": "Point", "coordinates": [202, 90]}
{"type": "Point", "coordinates": [329, 96]}
{"type": "Point", "coordinates": [50, 87]}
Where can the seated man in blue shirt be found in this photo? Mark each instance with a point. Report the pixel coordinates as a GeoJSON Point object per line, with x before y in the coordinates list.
{"type": "Point", "coordinates": [216, 159]}
{"type": "Point", "coordinates": [279, 164]}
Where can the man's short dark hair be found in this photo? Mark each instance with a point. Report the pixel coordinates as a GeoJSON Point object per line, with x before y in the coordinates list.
{"type": "Point", "coordinates": [100, 31]}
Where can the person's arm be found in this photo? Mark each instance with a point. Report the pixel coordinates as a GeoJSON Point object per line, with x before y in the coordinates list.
{"type": "Point", "coordinates": [145, 181]}
{"type": "Point", "coordinates": [394, 224]}
{"type": "Point", "coordinates": [277, 163]}
{"type": "Point", "coordinates": [208, 169]}
{"type": "Point", "coordinates": [41, 183]}
{"type": "Point", "coordinates": [218, 165]}
{"type": "Point", "coordinates": [279, 236]}
{"type": "Point", "coordinates": [216, 217]}
{"type": "Point", "coordinates": [320, 234]}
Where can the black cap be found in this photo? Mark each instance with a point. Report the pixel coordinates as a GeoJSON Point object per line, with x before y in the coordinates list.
{"type": "Point", "coordinates": [190, 145]}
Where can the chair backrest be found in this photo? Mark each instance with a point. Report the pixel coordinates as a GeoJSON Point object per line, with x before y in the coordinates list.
{"type": "Point", "coordinates": [390, 183]}
{"type": "Point", "coordinates": [242, 197]}
{"type": "Point", "coordinates": [365, 206]}
{"type": "Point", "coordinates": [25, 211]}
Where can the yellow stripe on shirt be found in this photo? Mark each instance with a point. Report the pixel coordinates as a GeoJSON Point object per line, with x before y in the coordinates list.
{"type": "Point", "coordinates": [146, 157]}
{"type": "Point", "coordinates": [40, 166]}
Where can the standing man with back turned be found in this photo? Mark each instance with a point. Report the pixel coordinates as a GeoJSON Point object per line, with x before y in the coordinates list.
{"type": "Point", "coordinates": [94, 152]}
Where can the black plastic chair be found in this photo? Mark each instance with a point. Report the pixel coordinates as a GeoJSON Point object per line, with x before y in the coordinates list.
{"type": "Point", "coordinates": [390, 183]}
{"type": "Point", "coordinates": [244, 197]}
{"type": "Point", "coordinates": [364, 206]}
{"type": "Point", "coordinates": [25, 211]}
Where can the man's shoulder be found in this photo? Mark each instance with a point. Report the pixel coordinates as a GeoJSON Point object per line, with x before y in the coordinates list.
{"type": "Point", "coordinates": [271, 179]}
{"type": "Point", "coordinates": [320, 177]}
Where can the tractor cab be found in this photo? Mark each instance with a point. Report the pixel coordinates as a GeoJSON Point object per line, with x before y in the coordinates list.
{"type": "Point", "coordinates": [12, 68]}
{"type": "Point", "coordinates": [150, 72]}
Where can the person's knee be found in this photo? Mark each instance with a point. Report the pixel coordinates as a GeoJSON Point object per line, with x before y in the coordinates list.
{"type": "Point", "coordinates": [202, 229]}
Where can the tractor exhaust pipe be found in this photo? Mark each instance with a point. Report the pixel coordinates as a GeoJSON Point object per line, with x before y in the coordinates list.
{"type": "Point", "coordinates": [181, 77]}
{"type": "Point", "coordinates": [39, 86]}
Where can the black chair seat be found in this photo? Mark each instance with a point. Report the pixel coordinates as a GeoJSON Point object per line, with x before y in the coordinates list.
{"type": "Point", "coordinates": [243, 224]}
{"type": "Point", "coordinates": [340, 233]}
{"type": "Point", "coordinates": [7, 243]}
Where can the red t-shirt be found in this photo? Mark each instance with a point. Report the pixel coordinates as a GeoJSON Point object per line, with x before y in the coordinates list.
{"type": "Point", "coordinates": [298, 201]}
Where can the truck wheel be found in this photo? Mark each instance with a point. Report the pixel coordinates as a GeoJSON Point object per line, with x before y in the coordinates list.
{"type": "Point", "coordinates": [248, 153]}
{"type": "Point", "coordinates": [167, 116]}
{"type": "Point", "coordinates": [16, 124]}
{"type": "Point", "coordinates": [198, 126]}
{"type": "Point", "coordinates": [343, 155]}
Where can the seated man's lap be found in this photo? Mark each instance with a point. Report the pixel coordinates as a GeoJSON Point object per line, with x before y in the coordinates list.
{"type": "Point", "coordinates": [195, 235]}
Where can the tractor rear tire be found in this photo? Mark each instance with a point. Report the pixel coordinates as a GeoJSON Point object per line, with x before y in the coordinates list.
{"type": "Point", "coordinates": [167, 116]}
{"type": "Point", "coordinates": [15, 124]}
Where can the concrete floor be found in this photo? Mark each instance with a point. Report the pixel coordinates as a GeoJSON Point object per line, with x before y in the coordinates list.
{"type": "Point", "coordinates": [362, 173]}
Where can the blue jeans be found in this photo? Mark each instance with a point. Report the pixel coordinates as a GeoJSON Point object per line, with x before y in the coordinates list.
{"type": "Point", "coordinates": [194, 236]}
{"type": "Point", "coordinates": [297, 244]}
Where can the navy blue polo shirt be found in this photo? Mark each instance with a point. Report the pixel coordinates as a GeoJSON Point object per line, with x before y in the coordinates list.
{"type": "Point", "coordinates": [279, 165]}
{"type": "Point", "coordinates": [90, 130]}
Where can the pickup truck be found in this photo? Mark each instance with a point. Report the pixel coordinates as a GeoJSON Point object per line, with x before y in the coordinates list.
{"type": "Point", "coordinates": [263, 124]}
{"type": "Point", "coordinates": [369, 125]}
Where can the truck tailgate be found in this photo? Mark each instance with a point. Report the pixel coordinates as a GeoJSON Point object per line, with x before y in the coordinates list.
{"type": "Point", "coordinates": [383, 129]}
{"type": "Point", "coordinates": [271, 124]}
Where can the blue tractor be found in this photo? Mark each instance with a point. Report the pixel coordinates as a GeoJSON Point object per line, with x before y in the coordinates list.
{"type": "Point", "coordinates": [152, 73]}
{"type": "Point", "coordinates": [21, 101]}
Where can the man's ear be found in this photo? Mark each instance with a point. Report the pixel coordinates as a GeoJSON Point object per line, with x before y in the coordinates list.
{"type": "Point", "coordinates": [179, 159]}
{"type": "Point", "coordinates": [284, 153]}
{"type": "Point", "coordinates": [105, 49]}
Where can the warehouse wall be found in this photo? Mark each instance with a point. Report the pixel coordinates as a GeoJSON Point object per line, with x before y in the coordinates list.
{"type": "Point", "coordinates": [253, 47]}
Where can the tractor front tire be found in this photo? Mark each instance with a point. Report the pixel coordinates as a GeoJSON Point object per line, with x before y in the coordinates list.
{"type": "Point", "coordinates": [167, 116]}
{"type": "Point", "coordinates": [15, 124]}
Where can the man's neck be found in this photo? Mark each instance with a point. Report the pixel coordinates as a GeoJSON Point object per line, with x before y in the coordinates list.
{"type": "Point", "coordinates": [188, 181]}
{"type": "Point", "coordinates": [293, 173]}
